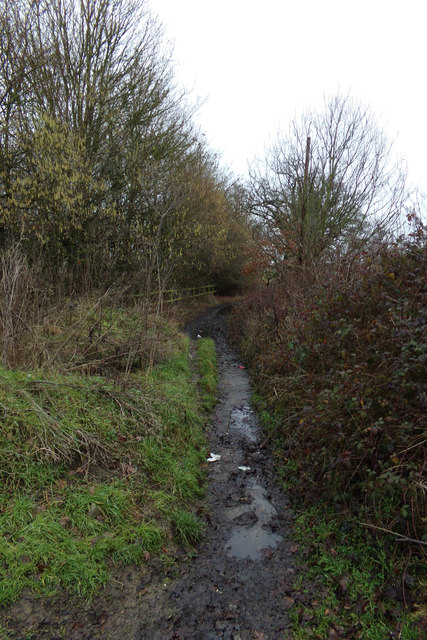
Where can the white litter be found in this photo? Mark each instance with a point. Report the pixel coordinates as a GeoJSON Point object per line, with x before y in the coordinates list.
{"type": "Point", "coordinates": [198, 336]}
{"type": "Point", "coordinates": [213, 458]}
{"type": "Point", "coordinates": [244, 468]}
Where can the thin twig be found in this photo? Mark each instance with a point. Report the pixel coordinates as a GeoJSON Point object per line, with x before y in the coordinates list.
{"type": "Point", "coordinates": [65, 384]}
{"type": "Point", "coordinates": [393, 533]}
{"type": "Point", "coordinates": [25, 324]}
{"type": "Point", "coordinates": [74, 333]}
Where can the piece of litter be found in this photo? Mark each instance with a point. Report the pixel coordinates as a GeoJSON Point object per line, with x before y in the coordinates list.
{"type": "Point", "coordinates": [213, 457]}
{"type": "Point", "coordinates": [241, 366]}
{"type": "Point", "coordinates": [198, 336]}
{"type": "Point", "coordinates": [244, 468]}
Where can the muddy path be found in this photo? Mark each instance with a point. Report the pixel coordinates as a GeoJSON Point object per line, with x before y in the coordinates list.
{"type": "Point", "coordinates": [235, 586]}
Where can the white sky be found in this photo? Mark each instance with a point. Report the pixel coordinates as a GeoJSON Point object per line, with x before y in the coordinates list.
{"type": "Point", "coordinates": [260, 62]}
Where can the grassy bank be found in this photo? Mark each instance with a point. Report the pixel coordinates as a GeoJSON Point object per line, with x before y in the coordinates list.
{"type": "Point", "coordinates": [98, 471]}
{"type": "Point", "coordinates": [360, 589]}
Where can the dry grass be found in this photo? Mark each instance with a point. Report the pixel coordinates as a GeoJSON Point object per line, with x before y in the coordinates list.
{"type": "Point", "coordinates": [111, 333]}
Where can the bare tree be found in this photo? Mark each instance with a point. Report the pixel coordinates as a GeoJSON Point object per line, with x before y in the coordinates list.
{"type": "Point", "coordinates": [330, 183]}
{"type": "Point", "coordinates": [14, 67]}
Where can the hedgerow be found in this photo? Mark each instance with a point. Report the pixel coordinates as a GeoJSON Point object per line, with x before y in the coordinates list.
{"type": "Point", "coordinates": [342, 364]}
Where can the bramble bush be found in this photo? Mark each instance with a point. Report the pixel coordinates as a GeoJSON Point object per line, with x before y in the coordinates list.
{"type": "Point", "coordinates": [342, 363]}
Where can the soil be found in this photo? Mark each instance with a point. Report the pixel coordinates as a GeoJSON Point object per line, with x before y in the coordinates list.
{"type": "Point", "coordinates": [236, 585]}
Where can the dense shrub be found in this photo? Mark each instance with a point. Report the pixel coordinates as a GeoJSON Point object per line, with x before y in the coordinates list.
{"type": "Point", "coordinates": [342, 362]}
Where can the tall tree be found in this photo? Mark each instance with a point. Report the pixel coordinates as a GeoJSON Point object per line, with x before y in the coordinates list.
{"type": "Point", "coordinates": [92, 78]}
{"type": "Point", "coordinates": [112, 174]}
{"type": "Point", "coordinates": [15, 56]}
{"type": "Point", "coordinates": [329, 182]}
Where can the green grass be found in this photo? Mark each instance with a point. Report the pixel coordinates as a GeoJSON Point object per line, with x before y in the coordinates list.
{"type": "Point", "coordinates": [95, 475]}
{"type": "Point", "coordinates": [352, 574]}
{"type": "Point", "coordinates": [188, 528]}
{"type": "Point", "coordinates": [208, 370]}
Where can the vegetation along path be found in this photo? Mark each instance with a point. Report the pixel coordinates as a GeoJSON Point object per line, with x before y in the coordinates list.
{"type": "Point", "coordinates": [235, 586]}
{"type": "Point", "coordinates": [238, 581]}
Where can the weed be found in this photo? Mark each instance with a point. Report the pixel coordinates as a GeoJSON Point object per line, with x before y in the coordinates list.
{"type": "Point", "coordinates": [188, 528]}
{"type": "Point", "coordinates": [356, 578]}
{"type": "Point", "coordinates": [341, 365]}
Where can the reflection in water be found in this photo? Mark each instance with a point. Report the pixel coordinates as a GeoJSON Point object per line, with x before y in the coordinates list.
{"type": "Point", "coordinates": [242, 421]}
{"type": "Point", "coordinates": [249, 542]}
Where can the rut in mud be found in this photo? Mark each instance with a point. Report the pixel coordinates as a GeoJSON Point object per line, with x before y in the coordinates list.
{"type": "Point", "coordinates": [236, 585]}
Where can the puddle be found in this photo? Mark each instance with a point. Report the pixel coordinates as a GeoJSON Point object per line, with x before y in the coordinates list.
{"type": "Point", "coordinates": [261, 505]}
{"type": "Point", "coordinates": [248, 543]}
{"type": "Point", "coordinates": [242, 421]}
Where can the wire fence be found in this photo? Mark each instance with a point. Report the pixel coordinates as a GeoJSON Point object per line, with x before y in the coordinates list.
{"type": "Point", "coordinates": [177, 295]}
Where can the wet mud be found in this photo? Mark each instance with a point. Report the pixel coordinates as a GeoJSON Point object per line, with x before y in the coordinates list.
{"type": "Point", "coordinates": [235, 586]}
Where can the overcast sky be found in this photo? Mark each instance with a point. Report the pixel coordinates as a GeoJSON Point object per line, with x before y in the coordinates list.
{"type": "Point", "coordinates": [259, 63]}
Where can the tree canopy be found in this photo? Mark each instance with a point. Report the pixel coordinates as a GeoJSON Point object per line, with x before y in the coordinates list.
{"type": "Point", "coordinates": [101, 164]}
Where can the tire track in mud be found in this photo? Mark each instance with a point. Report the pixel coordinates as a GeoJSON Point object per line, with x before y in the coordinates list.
{"type": "Point", "coordinates": [235, 588]}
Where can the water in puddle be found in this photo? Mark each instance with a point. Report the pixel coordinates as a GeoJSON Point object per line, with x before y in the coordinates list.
{"type": "Point", "coordinates": [249, 542]}
{"type": "Point", "coordinates": [242, 420]}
